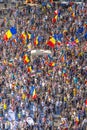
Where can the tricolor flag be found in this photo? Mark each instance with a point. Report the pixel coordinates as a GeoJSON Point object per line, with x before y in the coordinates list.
{"type": "Point", "coordinates": [29, 69]}
{"type": "Point", "coordinates": [29, 36]}
{"type": "Point", "coordinates": [77, 120]}
{"type": "Point", "coordinates": [36, 41]}
{"type": "Point", "coordinates": [52, 64]}
{"type": "Point", "coordinates": [51, 42]}
{"type": "Point", "coordinates": [26, 59]}
{"type": "Point", "coordinates": [12, 31]}
{"type": "Point", "coordinates": [23, 36]}
{"type": "Point", "coordinates": [54, 20]}
{"type": "Point", "coordinates": [34, 96]}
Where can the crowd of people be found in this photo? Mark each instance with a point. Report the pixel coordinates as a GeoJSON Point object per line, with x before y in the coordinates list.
{"type": "Point", "coordinates": [61, 88]}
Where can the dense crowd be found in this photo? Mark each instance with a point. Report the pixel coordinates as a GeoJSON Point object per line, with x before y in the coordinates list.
{"type": "Point", "coordinates": [61, 89]}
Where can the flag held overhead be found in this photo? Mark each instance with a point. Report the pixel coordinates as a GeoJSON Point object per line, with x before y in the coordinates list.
{"type": "Point", "coordinates": [12, 31]}
{"type": "Point", "coordinates": [51, 42]}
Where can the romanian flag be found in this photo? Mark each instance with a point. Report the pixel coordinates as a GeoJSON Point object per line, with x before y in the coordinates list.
{"type": "Point", "coordinates": [52, 64]}
{"type": "Point", "coordinates": [34, 96]}
{"type": "Point", "coordinates": [23, 36]}
{"type": "Point", "coordinates": [12, 31]}
{"type": "Point", "coordinates": [26, 59]}
{"type": "Point", "coordinates": [36, 41]}
{"type": "Point", "coordinates": [54, 20]}
{"type": "Point", "coordinates": [29, 69]}
{"type": "Point", "coordinates": [29, 36]}
{"type": "Point", "coordinates": [77, 120]}
{"type": "Point", "coordinates": [77, 40]}
{"type": "Point", "coordinates": [51, 42]}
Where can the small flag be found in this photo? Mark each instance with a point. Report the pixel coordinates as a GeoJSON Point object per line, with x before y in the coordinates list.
{"type": "Point", "coordinates": [26, 59]}
{"type": "Point", "coordinates": [34, 96]}
{"type": "Point", "coordinates": [36, 41]}
{"type": "Point", "coordinates": [29, 69]}
{"type": "Point", "coordinates": [23, 36]}
{"type": "Point", "coordinates": [77, 120]}
{"type": "Point", "coordinates": [54, 20]}
{"type": "Point", "coordinates": [51, 42]}
{"type": "Point", "coordinates": [52, 64]}
{"type": "Point", "coordinates": [10, 33]}
{"type": "Point", "coordinates": [29, 36]}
